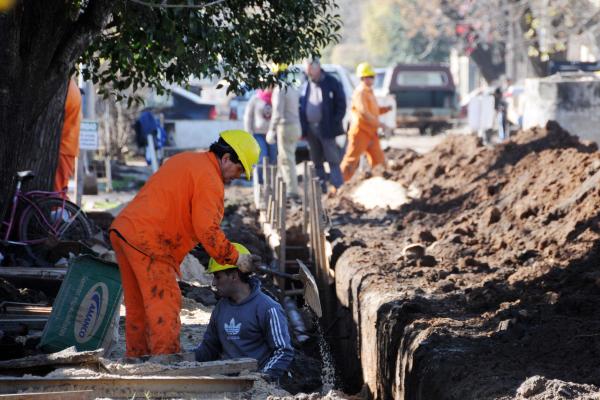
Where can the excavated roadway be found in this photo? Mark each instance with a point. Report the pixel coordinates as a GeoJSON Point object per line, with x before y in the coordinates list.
{"type": "Point", "coordinates": [505, 287]}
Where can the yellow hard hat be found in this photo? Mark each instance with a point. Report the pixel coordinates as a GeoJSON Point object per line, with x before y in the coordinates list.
{"type": "Point", "coordinates": [278, 68]}
{"type": "Point", "coordinates": [214, 266]}
{"type": "Point", "coordinates": [245, 146]}
{"type": "Point", "coordinates": [364, 70]}
{"type": "Point", "coordinates": [6, 5]}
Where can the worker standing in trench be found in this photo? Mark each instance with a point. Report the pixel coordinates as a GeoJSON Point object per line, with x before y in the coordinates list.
{"type": "Point", "coordinates": [246, 323]}
{"type": "Point", "coordinates": [362, 135]}
{"type": "Point", "coordinates": [181, 205]}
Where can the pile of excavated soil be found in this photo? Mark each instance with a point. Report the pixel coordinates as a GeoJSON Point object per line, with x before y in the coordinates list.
{"type": "Point", "coordinates": [502, 282]}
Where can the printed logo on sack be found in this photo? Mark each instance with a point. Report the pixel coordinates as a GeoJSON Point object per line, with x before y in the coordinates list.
{"type": "Point", "coordinates": [232, 329]}
{"type": "Point", "coordinates": [90, 312]}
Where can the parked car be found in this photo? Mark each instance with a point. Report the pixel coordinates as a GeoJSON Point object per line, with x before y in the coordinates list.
{"type": "Point", "coordinates": [384, 98]}
{"type": "Point", "coordinates": [425, 96]}
{"type": "Point", "coordinates": [193, 121]}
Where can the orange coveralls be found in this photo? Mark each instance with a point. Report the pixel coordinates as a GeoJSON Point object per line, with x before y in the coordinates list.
{"type": "Point", "coordinates": [362, 135]}
{"type": "Point", "coordinates": [181, 205]}
{"type": "Point", "coordinates": [69, 138]}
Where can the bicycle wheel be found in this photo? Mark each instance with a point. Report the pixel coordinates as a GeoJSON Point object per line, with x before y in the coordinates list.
{"type": "Point", "coordinates": [43, 226]}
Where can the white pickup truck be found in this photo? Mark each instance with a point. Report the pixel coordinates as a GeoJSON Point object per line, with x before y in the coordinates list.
{"type": "Point", "coordinates": [194, 122]}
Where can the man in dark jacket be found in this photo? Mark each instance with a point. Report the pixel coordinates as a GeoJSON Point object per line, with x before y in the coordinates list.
{"type": "Point", "coordinates": [322, 109]}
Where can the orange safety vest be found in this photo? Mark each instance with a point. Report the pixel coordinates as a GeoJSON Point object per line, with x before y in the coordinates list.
{"type": "Point", "coordinates": [365, 111]}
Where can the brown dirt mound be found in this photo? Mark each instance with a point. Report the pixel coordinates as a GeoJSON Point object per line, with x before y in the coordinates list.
{"type": "Point", "coordinates": [509, 285]}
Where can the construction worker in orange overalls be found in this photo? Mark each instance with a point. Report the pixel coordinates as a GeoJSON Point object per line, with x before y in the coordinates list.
{"type": "Point", "coordinates": [180, 206]}
{"type": "Point", "coordinates": [362, 135]}
{"type": "Point", "coordinates": [69, 138]}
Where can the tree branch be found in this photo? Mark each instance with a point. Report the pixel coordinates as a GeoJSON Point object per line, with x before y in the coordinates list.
{"type": "Point", "coordinates": [89, 24]}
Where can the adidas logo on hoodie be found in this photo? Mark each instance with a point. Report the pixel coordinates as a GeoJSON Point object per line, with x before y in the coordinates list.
{"type": "Point", "coordinates": [232, 329]}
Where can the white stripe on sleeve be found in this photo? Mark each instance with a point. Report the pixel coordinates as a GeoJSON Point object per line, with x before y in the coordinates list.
{"type": "Point", "coordinates": [278, 325]}
{"type": "Point", "coordinates": [274, 334]}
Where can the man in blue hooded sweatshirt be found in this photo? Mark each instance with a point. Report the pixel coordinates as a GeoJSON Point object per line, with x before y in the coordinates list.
{"type": "Point", "coordinates": [246, 323]}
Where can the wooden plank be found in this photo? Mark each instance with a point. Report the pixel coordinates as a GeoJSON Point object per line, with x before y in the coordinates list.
{"type": "Point", "coordinates": [324, 260]}
{"type": "Point", "coordinates": [265, 184]}
{"type": "Point", "coordinates": [220, 367]}
{"type": "Point", "coordinates": [275, 200]}
{"type": "Point", "coordinates": [282, 234]}
{"type": "Point", "coordinates": [54, 273]}
{"type": "Point", "coordinates": [316, 228]}
{"type": "Point", "coordinates": [65, 357]}
{"type": "Point", "coordinates": [305, 180]}
{"type": "Point", "coordinates": [129, 386]}
{"type": "Point", "coordinates": [15, 308]}
{"type": "Point", "coordinates": [70, 395]}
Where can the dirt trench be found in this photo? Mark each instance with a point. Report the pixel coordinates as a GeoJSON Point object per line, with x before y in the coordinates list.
{"type": "Point", "coordinates": [498, 296]}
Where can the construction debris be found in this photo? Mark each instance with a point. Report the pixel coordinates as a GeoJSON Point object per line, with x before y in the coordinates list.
{"type": "Point", "coordinates": [132, 386]}
{"type": "Point", "coordinates": [183, 367]}
{"type": "Point", "coordinates": [49, 362]}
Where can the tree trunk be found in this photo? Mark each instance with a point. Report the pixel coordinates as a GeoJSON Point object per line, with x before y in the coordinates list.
{"type": "Point", "coordinates": [35, 145]}
{"type": "Point", "coordinates": [41, 42]}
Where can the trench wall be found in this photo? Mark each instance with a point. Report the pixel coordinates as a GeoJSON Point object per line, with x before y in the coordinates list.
{"type": "Point", "coordinates": [370, 323]}
{"type": "Point", "coordinates": [394, 348]}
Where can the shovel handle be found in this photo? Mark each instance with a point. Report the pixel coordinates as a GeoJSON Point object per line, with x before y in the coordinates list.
{"type": "Point", "coordinates": [262, 268]}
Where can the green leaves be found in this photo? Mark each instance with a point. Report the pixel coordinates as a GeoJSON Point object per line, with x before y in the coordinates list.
{"type": "Point", "coordinates": [233, 40]}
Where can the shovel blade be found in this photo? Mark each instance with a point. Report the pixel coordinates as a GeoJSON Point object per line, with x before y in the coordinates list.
{"type": "Point", "coordinates": [311, 290]}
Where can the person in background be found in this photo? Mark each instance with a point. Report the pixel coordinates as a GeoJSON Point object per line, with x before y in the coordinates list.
{"type": "Point", "coordinates": [285, 129]}
{"type": "Point", "coordinates": [245, 323]}
{"type": "Point", "coordinates": [256, 121]}
{"type": "Point", "coordinates": [148, 126]}
{"type": "Point", "coordinates": [362, 135]}
{"type": "Point", "coordinates": [69, 139]}
{"type": "Point", "coordinates": [500, 107]}
{"type": "Point", "coordinates": [181, 205]}
{"type": "Point", "coordinates": [322, 109]}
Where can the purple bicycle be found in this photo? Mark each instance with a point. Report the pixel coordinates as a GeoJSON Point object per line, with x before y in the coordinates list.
{"type": "Point", "coordinates": [44, 219]}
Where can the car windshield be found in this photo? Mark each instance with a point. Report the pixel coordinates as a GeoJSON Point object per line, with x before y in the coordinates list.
{"type": "Point", "coordinates": [379, 80]}
{"type": "Point", "coordinates": [421, 78]}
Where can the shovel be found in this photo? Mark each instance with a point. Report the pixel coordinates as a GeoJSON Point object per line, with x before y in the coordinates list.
{"type": "Point", "coordinates": [311, 291]}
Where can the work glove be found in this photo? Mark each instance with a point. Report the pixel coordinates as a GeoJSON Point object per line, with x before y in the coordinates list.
{"type": "Point", "coordinates": [248, 262]}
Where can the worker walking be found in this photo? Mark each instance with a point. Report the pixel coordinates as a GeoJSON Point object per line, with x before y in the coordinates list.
{"type": "Point", "coordinates": [322, 110]}
{"type": "Point", "coordinates": [181, 205]}
{"type": "Point", "coordinates": [257, 117]}
{"type": "Point", "coordinates": [285, 129]}
{"type": "Point", "coordinates": [362, 135]}
{"type": "Point", "coordinates": [69, 138]}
